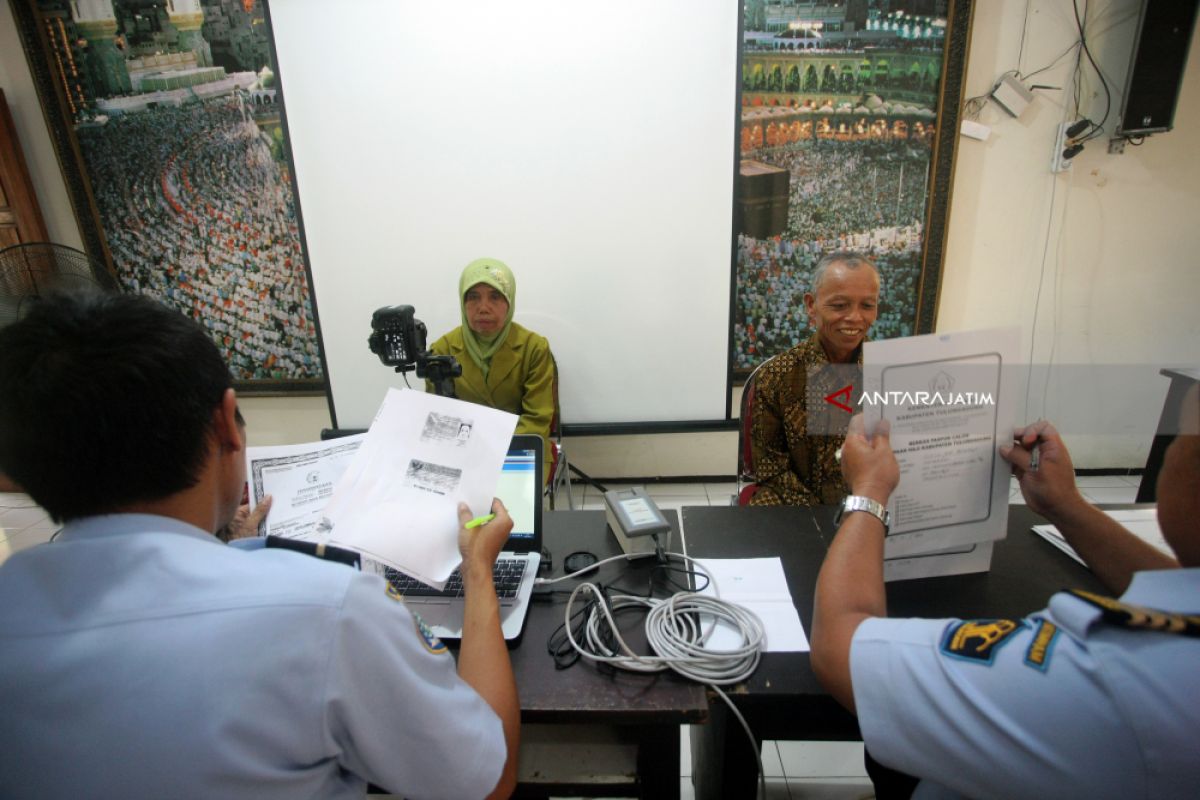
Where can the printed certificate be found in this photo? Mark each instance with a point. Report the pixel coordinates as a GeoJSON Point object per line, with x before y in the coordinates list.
{"type": "Point", "coordinates": [300, 479]}
{"type": "Point", "coordinates": [950, 401]}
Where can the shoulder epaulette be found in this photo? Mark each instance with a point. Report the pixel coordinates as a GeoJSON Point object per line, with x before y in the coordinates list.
{"type": "Point", "coordinates": [1138, 617]}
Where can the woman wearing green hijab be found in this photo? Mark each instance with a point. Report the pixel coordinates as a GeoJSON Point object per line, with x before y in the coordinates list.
{"type": "Point", "coordinates": [504, 365]}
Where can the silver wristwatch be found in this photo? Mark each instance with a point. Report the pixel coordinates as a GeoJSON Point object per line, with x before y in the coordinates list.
{"type": "Point", "coordinates": [856, 502]}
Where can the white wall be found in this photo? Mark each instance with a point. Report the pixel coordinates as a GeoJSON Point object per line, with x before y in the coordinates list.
{"type": "Point", "coordinates": [1121, 283]}
{"type": "Point", "coordinates": [608, 195]}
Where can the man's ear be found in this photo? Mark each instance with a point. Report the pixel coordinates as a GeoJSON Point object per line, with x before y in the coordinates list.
{"type": "Point", "coordinates": [225, 424]}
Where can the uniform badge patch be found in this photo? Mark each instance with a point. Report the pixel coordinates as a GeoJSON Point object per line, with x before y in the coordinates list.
{"type": "Point", "coordinates": [977, 640]}
{"type": "Point", "coordinates": [1038, 653]}
{"type": "Point", "coordinates": [432, 643]}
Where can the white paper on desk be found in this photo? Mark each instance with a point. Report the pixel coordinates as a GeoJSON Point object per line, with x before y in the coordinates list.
{"type": "Point", "coordinates": [950, 399]}
{"type": "Point", "coordinates": [398, 500]}
{"type": "Point", "coordinates": [759, 585]}
{"type": "Point", "coordinates": [1141, 522]}
{"type": "Point", "coordinates": [300, 479]}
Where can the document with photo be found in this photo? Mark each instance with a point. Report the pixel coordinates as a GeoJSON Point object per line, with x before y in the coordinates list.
{"type": "Point", "coordinates": [951, 401]}
{"type": "Point", "coordinates": [397, 501]}
{"type": "Point", "coordinates": [300, 479]}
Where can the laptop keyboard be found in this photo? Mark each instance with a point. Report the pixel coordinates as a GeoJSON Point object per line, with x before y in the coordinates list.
{"type": "Point", "coordinates": [506, 574]}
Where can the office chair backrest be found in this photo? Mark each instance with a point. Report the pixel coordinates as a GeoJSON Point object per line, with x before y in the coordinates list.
{"type": "Point", "coordinates": [559, 469]}
{"type": "Point", "coordinates": [747, 486]}
{"type": "Point", "coordinates": [555, 421]}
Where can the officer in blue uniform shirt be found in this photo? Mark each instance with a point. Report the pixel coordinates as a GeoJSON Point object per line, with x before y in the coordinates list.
{"type": "Point", "coordinates": [1092, 697]}
{"type": "Point", "coordinates": [142, 657]}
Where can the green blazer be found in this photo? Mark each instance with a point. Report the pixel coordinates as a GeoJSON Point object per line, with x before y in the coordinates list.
{"type": "Point", "coordinates": [520, 381]}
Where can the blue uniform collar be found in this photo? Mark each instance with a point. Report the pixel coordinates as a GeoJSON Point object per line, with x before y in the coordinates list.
{"type": "Point", "coordinates": [106, 525]}
{"type": "Point", "coordinates": [1174, 590]}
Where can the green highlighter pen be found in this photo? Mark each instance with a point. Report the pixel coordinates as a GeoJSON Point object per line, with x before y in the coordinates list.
{"type": "Point", "coordinates": [475, 523]}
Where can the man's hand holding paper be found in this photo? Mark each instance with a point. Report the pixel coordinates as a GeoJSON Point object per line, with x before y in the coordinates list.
{"type": "Point", "coordinates": [950, 400]}
{"type": "Point", "coordinates": [398, 501]}
{"type": "Point", "coordinates": [480, 545]}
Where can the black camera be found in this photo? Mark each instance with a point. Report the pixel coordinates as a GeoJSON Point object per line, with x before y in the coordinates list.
{"type": "Point", "coordinates": [398, 338]}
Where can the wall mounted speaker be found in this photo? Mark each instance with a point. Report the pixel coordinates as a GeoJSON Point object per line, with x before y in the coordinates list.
{"type": "Point", "coordinates": [1160, 54]}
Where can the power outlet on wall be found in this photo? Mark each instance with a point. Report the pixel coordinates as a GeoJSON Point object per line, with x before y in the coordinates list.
{"type": "Point", "coordinates": [1064, 150]}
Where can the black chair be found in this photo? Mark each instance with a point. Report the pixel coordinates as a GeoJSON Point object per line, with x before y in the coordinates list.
{"type": "Point", "coordinates": [747, 481]}
{"type": "Point", "coordinates": [559, 466]}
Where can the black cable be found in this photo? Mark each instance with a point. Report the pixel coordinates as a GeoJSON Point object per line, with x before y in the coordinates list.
{"type": "Point", "coordinates": [688, 573]}
{"type": "Point", "coordinates": [973, 105]}
{"type": "Point", "coordinates": [1097, 130]}
{"type": "Point", "coordinates": [1078, 128]}
{"type": "Point", "coordinates": [1058, 58]}
{"type": "Point", "coordinates": [558, 644]}
{"type": "Point", "coordinates": [1024, 28]}
{"type": "Point", "coordinates": [1077, 75]}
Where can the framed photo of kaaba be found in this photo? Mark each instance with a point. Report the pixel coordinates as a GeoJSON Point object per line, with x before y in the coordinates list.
{"type": "Point", "coordinates": [849, 114]}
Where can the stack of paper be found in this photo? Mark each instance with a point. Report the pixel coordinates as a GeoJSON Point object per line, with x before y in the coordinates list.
{"type": "Point", "coordinates": [759, 585]}
{"type": "Point", "coordinates": [392, 493]}
{"type": "Point", "coordinates": [949, 400]}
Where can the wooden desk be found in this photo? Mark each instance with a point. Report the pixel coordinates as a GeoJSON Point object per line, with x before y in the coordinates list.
{"type": "Point", "coordinates": [645, 710]}
{"type": "Point", "coordinates": [783, 699]}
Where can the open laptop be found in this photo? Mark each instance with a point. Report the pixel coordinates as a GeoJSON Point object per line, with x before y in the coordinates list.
{"type": "Point", "coordinates": [520, 489]}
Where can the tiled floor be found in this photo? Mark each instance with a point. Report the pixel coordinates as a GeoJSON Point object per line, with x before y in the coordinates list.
{"type": "Point", "coordinates": [22, 524]}
{"type": "Point", "coordinates": [1094, 488]}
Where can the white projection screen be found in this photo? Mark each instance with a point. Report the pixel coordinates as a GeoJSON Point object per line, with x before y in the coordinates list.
{"type": "Point", "coordinates": [589, 146]}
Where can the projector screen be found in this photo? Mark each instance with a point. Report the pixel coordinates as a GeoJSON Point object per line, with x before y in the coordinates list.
{"type": "Point", "coordinates": [591, 147]}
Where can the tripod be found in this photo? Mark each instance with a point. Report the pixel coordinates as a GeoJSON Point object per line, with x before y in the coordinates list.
{"type": "Point", "coordinates": [440, 371]}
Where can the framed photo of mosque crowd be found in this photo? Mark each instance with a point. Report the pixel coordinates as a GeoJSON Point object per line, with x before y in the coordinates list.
{"type": "Point", "coordinates": [170, 129]}
{"type": "Point", "coordinates": [849, 114]}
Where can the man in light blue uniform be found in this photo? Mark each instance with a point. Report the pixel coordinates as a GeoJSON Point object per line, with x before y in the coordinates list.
{"type": "Point", "coordinates": [1091, 697]}
{"type": "Point", "coordinates": [142, 657]}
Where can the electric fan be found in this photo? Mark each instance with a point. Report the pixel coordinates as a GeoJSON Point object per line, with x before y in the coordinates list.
{"type": "Point", "coordinates": [35, 268]}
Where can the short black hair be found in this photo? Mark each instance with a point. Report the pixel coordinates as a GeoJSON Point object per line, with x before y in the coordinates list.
{"type": "Point", "coordinates": [106, 400]}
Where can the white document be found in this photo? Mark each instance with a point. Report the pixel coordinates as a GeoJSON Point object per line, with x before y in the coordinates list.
{"type": "Point", "coordinates": [1141, 522]}
{"type": "Point", "coordinates": [300, 479]}
{"type": "Point", "coordinates": [759, 585]}
{"type": "Point", "coordinates": [398, 500]}
{"type": "Point", "coordinates": [958, 560]}
{"type": "Point", "coordinates": [950, 399]}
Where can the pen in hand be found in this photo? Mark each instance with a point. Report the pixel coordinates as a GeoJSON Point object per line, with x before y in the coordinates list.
{"type": "Point", "coordinates": [475, 523]}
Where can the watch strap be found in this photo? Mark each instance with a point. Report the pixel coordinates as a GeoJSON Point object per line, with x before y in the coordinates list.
{"type": "Point", "coordinates": [856, 502]}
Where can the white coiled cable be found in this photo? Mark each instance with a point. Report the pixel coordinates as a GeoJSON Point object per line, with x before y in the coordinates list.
{"type": "Point", "coordinates": [677, 628]}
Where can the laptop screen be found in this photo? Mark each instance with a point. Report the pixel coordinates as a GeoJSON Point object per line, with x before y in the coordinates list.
{"type": "Point", "coordinates": [519, 488]}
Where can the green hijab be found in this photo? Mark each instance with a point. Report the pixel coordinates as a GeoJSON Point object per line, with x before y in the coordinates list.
{"type": "Point", "coordinates": [497, 275]}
